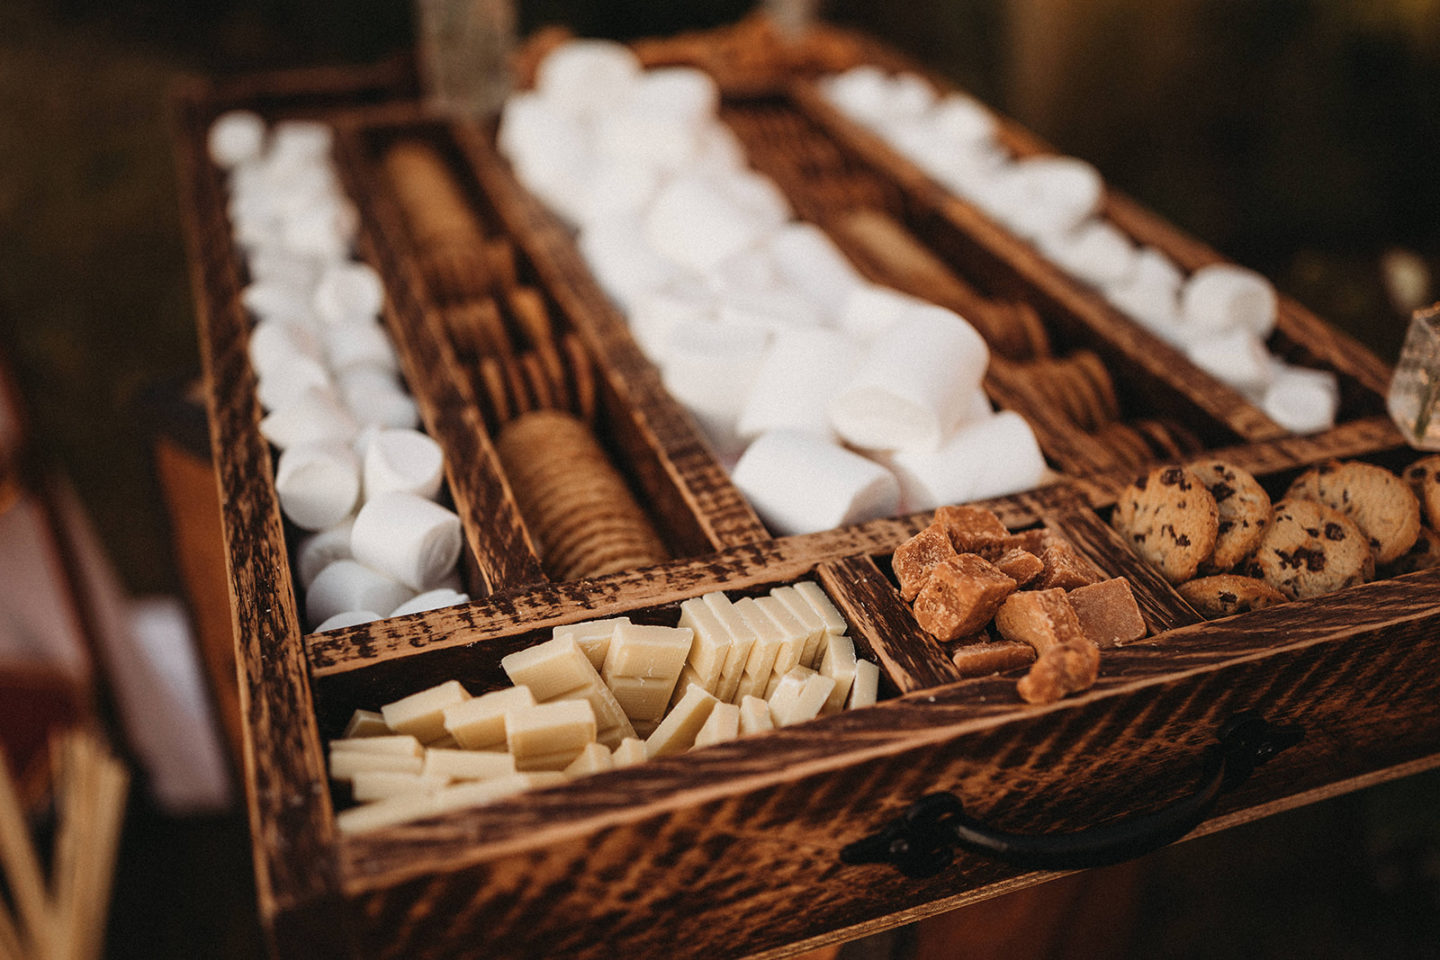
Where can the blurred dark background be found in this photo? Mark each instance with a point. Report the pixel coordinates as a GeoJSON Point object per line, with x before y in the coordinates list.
{"type": "Point", "coordinates": [1297, 136]}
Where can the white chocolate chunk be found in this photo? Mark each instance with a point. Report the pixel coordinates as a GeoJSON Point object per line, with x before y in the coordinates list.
{"type": "Point", "coordinates": [550, 668]}
{"type": "Point", "coordinates": [478, 792]}
{"type": "Point", "coordinates": [344, 764]}
{"type": "Point", "coordinates": [688, 676]}
{"type": "Point", "coordinates": [769, 638]}
{"type": "Point", "coordinates": [838, 663]}
{"type": "Point", "coordinates": [382, 784]}
{"type": "Point", "coordinates": [611, 723]}
{"type": "Point", "coordinates": [722, 724]}
{"type": "Point", "coordinates": [595, 758]}
{"type": "Point", "coordinates": [479, 723]}
{"type": "Point", "coordinates": [386, 813]}
{"type": "Point", "coordinates": [677, 731]}
{"type": "Point", "coordinates": [820, 602]}
{"type": "Point", "coordinates": [401, 744]}
{"type": "Point", "coordinates": [799, 696]}
{"type": "Point", "coordinates": [593, 636]}
{"type": "Point", "coordinates": [866, 684]}
{"type": "Point", "coordinates": [554, 760]}
{"type": "Point", "coordinates": [742, 639]}
{"type": "Point", "coordinates": [755, 716]}
{"type": "Point", "coordinates": [447, 742]}
{"type": "Point", "coordinates": [630, 752]}
{"type": "Point", "coordinates": [752, 685]}
{"type": "Point", "coordinates": [549, 728]}
{"type": "Point", "coordinates": [711, 646]}
{"type": "Point", "coordinates": [365, 723]}
{"type": "Point", "coordinates": [468, 764]}
{"type": "Point", "coordinates": [423, 713]}
{"type": "Point", "coordinates": [640, 650]}
{"type": "Point", "coordinates": [642, 698]}
{"type": "Point", "coordinates": [795, 633]}
{"type": "Point", "coordinates": [799, 608]}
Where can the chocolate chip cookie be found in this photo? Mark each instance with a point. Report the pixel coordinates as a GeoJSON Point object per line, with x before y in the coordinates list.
{"type": "Point", "coordinates": [1380, 503]}
{"type": "Point", "coordinates": [1169, 518]}
{"type": "Point", "coordinates": [1311, 549]}
{"type": "Point", "coordinates": [1424, 478]}
{"type": "Point", "coordinates": [1244, 511]}
{"type": "Point", "coordinates": [1228, 593]}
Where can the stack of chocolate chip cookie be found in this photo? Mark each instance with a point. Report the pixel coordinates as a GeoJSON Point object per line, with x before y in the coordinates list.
{"type": "Point", "coordinates": [1211, 530]}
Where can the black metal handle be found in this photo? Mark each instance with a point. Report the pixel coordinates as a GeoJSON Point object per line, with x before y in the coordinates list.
{"type": "Point", "coordinates": [921, 842]}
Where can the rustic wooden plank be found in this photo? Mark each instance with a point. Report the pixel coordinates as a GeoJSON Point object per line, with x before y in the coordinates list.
{"type": "Point", "coordinates": [883, 627]}
{"type": "Point", "coordinates": [681, 453]}
{"type": "Point", "coordinates": [785, 559]}
{"type": "Point", "coordinates": [291, 823]}
{"type": "Point", "coordinates": [1161, 607]}
{"type": "Point", "coordinates": [504, 554]}
{"type": "Point", "coordinates": [1012, 264]}
{"type": "Point", "coordinates": [762, 820]}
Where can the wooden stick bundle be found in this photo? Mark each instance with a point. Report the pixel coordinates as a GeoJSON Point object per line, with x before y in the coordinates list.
{"type": "Point", "coordinates": [67, 920]}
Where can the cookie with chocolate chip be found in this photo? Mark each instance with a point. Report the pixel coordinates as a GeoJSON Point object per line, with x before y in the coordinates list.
{"type": "Point", "coordinates": [1424, 478]}
{"type": "Point", "coordinates": [1169, 518]}
{"type": "Point", "coordinates": [1225, 594]}
{"type": "Point", "coordinates": [1424, 555]}
{"type": "Point", "coordinates": [1380, 503]}
{"type": "Point", "coordinates": [1244, 511]}
{"type": "Point", "coordinates": [1311, 549]}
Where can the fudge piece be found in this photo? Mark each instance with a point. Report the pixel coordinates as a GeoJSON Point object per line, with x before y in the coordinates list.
{"type": "Point", "coordinates": [970, 528]}
{"type": "Point", "coordinates": [961, 596]}
{"type": "Point", "coordinates": [1041, 618]}
{"type": "Point", "coordinates": [915, 558]}
{"type": "Point", "coordinates": [1019, 565]}
{"type": "Point", "coordinates": [1064, 568]}
{"type": "Point", "coordinates": [984, 657]}
{"type": "Point", "coordinates": [1107, 612]}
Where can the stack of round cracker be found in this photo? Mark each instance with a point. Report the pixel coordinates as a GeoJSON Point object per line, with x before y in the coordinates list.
{"type": "Point", "coordinates": [582, 516]}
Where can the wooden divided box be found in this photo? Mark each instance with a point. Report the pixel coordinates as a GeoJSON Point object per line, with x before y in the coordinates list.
{"type": "Point", "coordinates": [736, 850]}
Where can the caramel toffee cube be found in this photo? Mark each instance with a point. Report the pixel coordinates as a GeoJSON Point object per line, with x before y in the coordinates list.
{"type": "Point", "coordinates": [1064, 568]}
{"type": "Point", "coordinates": [961, 596]}
{"type": "Point", "coordinates": [985, 657]}
{"type": "Point", "coordinates": [1107, 612]}
{"type": "Point", "coordinates": [915, 558]}
{"type": "Point", "coordinates": [1041, 618]}
{"type": "Point", "coordinates": [970, 527]}
{"type": "Point", "coordinates": [1067, 668]}
{"type": "Point", "coordinates": [1019, 565]}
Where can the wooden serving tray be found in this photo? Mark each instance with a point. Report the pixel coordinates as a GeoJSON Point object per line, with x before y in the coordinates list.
{"type": "Point", "coordinates": [734, 850]}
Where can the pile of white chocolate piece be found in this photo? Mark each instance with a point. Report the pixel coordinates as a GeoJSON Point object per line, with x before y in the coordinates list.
{"type": "Point", "coordinates": [354, 469]}
{"type": "Point", "coordinates": [835, 400]}
{"type": "Point", "coordinates": [1219, 315]}
{"type": "Point", "coordinates": [600, 695]}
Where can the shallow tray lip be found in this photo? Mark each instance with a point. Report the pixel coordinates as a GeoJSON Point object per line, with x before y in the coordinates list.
{"type": "Point", "coordinates": [902, 727]}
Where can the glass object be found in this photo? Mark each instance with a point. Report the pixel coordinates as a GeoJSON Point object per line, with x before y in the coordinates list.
{"type": "Point", "coordinates": [465, 48]}
{"type": "Point", "coordinates": [1414, 400]}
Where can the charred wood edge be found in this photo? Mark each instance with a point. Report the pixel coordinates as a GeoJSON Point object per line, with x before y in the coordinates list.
{"type": "Point", "coordinates": [725, 516]}
{"type": "Point", "coordinates": [494, 529]}
{"type": "Point", "coordinates": [834, 743]}
{"type": "Point", "coordinates": [785, 559]}
{"type": "Point", "coordinates": [291, 820]}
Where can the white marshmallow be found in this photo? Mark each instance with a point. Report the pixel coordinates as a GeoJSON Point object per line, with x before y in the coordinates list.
{"type": "Point", "coordinates": [325, 231]}
{"type": "Point", "coordinates": [758, 196]}
{"type": "Point", "coordinates": [318, 484]}
{"type": "Point", "coordinates": [802, 373]}
{"type": "Point", "coordinates": [350, 618]}
{"type": "Point", "coordinates": [346, 585]}
{"type": "Point", "coordinates": [554, 157]}
{"type": "Point", "coordinates": [914, 384]}
{"type": "Point", "coordinates": [909, 94]}
{"type": "Point", "coordinates": [808, 260]}
{"type": "Point", "coordinates": [318, 550]}
{"type": "Point", "coordinates": [302, 140]}
{"type": "Point", "coordinates": [803, 483]}
{"type": "Point", "coordinates": [747, 272]}
{"type": "Point", "coordinates": [587, 75]}
{"type": "Point", "coordinates": [1053, 194]}
{"type": "Point", "coordinates": [1094, 252]}
{"type": "Point", "coordinates": [989, 457]}
{"type": "Point", "coordinates": [962, 119]}
{"type": "Point", "coordinates": [283, 382]}
{"type": "Point", "coordinates": [403, 460]}
{"type": "Point", "coordinates": [870, 310]}
{"type": "Point", "coordinates": [719, 151]}
{"type": "Point", "coordinates": [695, 223]}
{"type": "Point", "coordinates": [358, 345]}
{"type": "Point", "coordinates": [624, 264]}
{"type": "Point", "coordinates": [657, 313]}
{"type": "Point", "coordinates": [298, 273]}
{"type": "Point", "coordinates": [773, 311]}
{"type": "Point", "coordinates": [273, 344]}
{"type": "Point", "coordinates": [862, 92]}
{"type": "Point", "coordinates": [1238, 358]}
{"type": "Point", "coordinates": [1223, 296]}
{"type": "Point", "coordinates": [663, 142]}
{"type": "Point", "coordinates": [373, 395]}
{"type": "Point", "coordinates": [315, 416]}
{"type": "Point", "coordinates": [406, 537]}
{"type": "Point", "coordinates": [1302, 400]}
{"type": "Point", "coordinates": [617, 187]}
{"type": "Point", "coordinates": [281, 302]}
{"type": "Point", "coordinates": [710, 369]}
{"type": "Point", "coordinates": [349, 293]}
{"type": "Point", "coordinates": [236, 137]}
{"type": "Point", "coordinates": [430, 600]}
{"type": "Point", "coordinates": [681, 92]}
{"type": "Point", "coordinates": [1152, 294]}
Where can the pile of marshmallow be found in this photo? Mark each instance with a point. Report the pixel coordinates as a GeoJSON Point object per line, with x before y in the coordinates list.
{"type": "Point", "coordinates": [353, 469]}
{"type": "Point", "coordinates": [1219, 315]}
{"type": "Point", "coordinates": [833, 400]}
